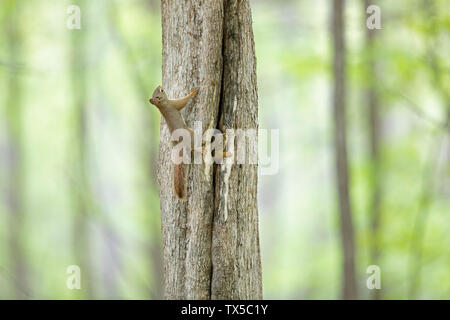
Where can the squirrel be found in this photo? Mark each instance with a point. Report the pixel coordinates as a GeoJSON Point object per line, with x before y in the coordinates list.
{"type": "Point", "coordinates": [171, 111]}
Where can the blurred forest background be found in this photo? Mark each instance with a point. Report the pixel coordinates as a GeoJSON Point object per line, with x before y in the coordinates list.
{"type": "Point", "coordinates": [78, 147]}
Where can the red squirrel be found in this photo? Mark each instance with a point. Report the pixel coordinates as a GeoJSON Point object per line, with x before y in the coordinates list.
{"type": "Point", "coordinates": [170, 110]}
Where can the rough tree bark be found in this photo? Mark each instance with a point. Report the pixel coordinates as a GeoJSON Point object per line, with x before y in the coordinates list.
{"type": "Point", "coordinates": [210, 241]}
{"type": "Point", "coordinates": [340, 144]}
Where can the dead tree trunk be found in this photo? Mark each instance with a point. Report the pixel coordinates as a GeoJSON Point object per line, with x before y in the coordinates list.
{"type": "Point", "coordinates": [340, 144]}
{"type": "Point", "coordinates": [210, 241]}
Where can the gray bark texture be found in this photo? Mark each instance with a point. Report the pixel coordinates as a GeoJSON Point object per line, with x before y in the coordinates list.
{"type": "Point", "coordinates": [210, 241]}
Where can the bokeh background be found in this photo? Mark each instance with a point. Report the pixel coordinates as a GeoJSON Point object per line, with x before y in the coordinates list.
{"type": "Point", "coordinates": [78, 147]}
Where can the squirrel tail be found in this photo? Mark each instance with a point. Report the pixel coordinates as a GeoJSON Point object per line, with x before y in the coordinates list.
{"type": "Point", "coordinates": [179, 185]}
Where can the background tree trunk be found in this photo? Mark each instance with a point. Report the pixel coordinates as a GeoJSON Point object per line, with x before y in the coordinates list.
{"type": "Point", "coordinates": [205, 254]}
{"type": "Point", "coordinates": [340, 143]}
{"type": "Point", "coordinates": [81, 200]}
{"type": "Point", "coordinates": [15, 159]}
{"type": "Point", "coordinates": [372, 97]}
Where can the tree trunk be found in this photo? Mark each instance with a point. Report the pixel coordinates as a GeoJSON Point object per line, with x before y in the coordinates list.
{"type": "Point", "coordinates": [81, 194]}
{"type": "Point", "coordinates": [210, 241]}
{"type": "Point", "coordinates": [372, 97]}
{"type": "Point", "coordinates": [15, 159]}
{"type": "Point", "coordinates": [340, 143]}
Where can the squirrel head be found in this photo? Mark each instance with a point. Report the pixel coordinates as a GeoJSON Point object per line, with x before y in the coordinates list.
{"type": "Point", "coordinates": [159, 97]}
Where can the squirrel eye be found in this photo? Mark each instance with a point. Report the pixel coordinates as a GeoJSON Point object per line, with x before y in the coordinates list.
{"type": "Point", "coordinates": [161, 90]}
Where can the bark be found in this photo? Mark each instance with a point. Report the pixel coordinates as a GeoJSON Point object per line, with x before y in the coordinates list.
{"type": "Point", "coordinates": [15, 178]}
{"type": "Point", "coordinates": [209, 44]}
{"type": "Point", "coordinates": [340, 144]}
{"type": "Point", "coordinates": [372, 97]}
{"type": "Point", "coordinates": [235, 248]}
